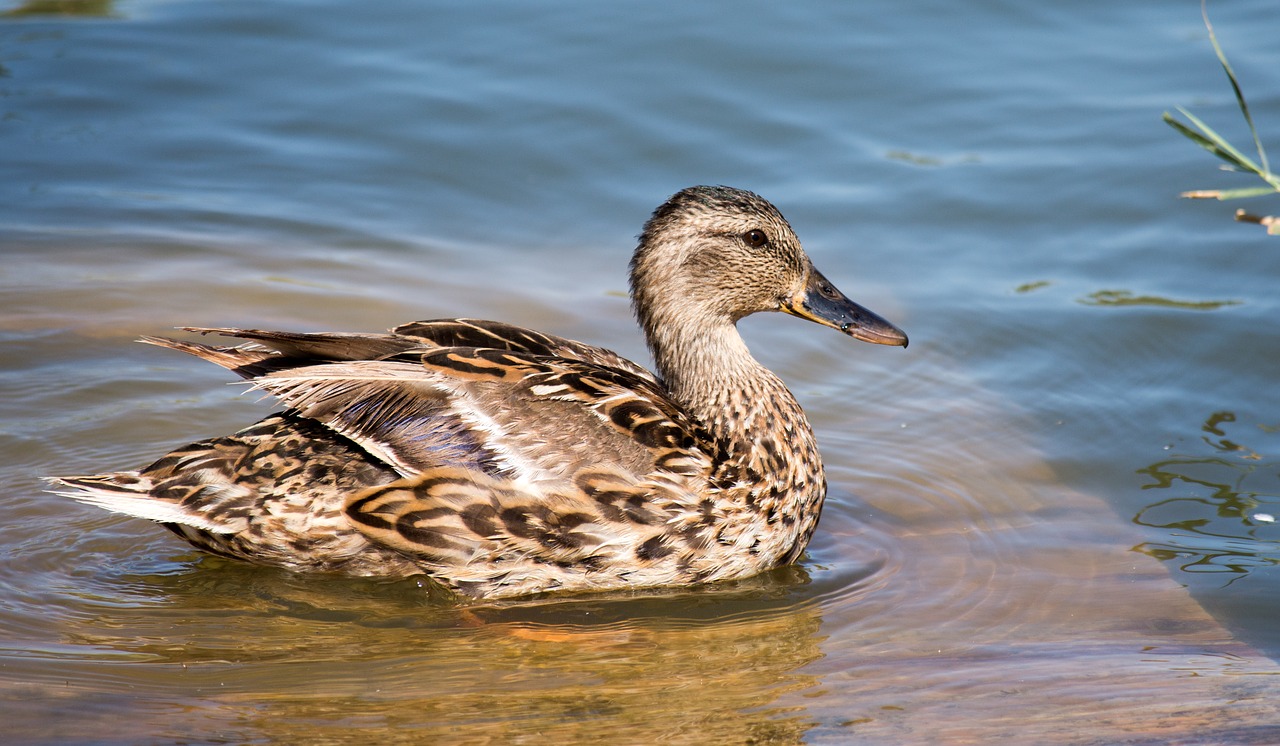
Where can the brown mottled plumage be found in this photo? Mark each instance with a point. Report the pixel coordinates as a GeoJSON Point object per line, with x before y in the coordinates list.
{"type": "Point", "coordinates": [502, 461]}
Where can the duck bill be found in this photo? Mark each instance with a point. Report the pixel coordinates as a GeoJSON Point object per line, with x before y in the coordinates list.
{"type": "Point", "coordinates": [821, 302]}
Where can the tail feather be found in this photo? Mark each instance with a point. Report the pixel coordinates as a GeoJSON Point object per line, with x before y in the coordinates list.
{"type": "Point", "coordinates": [129, 492]}
{"type": "Point", "coordinates": [300, 348]}
{"type": "Point", "coordinates": [271, 351]}
{"type": "Point", "coordinates": [247, 361]}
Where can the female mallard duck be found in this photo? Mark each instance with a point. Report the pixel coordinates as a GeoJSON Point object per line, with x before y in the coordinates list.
{"type": "Point", "coordinates": [501, 461]}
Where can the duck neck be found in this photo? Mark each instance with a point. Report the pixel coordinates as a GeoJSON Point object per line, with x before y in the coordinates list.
{"type": "Point", "coordinates": [701, 367]}
{"type": "Point", "coordinates": [768, 455]}
{"type": "Point", "coordinates": [709, 371]}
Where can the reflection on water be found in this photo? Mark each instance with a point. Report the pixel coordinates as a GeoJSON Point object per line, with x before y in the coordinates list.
{"type": "Point", "coordinates": [331, 661]}
{"type": "Point", "coordinates": [61, 8]}
{"type": "Point", "coordinates": [1127, 298]}
{"type": "Point", "coordinates": [1222, 517]}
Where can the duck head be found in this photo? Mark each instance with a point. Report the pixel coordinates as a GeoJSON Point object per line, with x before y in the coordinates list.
{"type": "Point", "coordinates": [711, 255]}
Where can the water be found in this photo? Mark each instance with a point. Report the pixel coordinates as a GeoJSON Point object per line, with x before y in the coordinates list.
{"type": "Point", "coordinates": [1047, 519]}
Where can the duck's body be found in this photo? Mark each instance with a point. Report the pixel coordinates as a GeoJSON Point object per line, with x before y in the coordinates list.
{"type": "Point", "coordinates": [502, 461]}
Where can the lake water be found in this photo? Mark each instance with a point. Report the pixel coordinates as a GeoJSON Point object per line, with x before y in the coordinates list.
{"type": "Point", "coordinates": [1051, 518]}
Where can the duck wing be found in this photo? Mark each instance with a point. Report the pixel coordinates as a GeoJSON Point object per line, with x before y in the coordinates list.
{"type": "Point", "coordinates": [521, 472]}
{"type": "Point", "coordinates": [531, 464]}
{"type": "Point", "coordinates": [533, 419]}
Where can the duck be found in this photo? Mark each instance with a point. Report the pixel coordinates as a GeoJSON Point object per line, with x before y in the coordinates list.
{"type": "Point", "coordinates": [500, 461]}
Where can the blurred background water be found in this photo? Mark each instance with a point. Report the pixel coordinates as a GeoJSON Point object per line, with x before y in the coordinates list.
{"type": "Point", "coordinates": [1051, 519]}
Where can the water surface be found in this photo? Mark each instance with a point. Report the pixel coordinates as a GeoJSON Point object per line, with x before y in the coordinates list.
{"type": "Point", "coordinates": [1048, 516]}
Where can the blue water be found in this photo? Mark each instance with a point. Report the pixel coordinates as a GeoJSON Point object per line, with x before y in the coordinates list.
{"type": "Point", "coordinates": [1075, 461]}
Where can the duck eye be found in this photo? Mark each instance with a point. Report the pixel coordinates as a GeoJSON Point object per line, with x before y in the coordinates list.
{"type": "Point", "coordinates": [755, 238]}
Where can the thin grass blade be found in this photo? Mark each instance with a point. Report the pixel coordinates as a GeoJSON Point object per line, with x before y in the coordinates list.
{"type": "Point", "coordinates": [1213, 143]}
{"type": "Point", "coordinates": [1225, 194]}
{"type": "Point", "coordinates": [1235, 157]}
{"type": "Point", "coordinates": [1235, 86]}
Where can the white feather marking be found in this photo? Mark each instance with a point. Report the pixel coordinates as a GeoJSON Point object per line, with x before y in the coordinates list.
{"type": "Point", "coordinates": [525, 473]}
{"type": "Point", "coordinates": [137, 503]}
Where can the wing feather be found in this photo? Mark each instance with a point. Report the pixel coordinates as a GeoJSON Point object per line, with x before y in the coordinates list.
{"type": "Point", "coordinates": [496, 335]}
{"type": "Point", "coordinates": [299, 347]}
{"type": "Point", "coordinates": [458, 519]}
{"type": "Point", "coordinates": [528, 417]}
